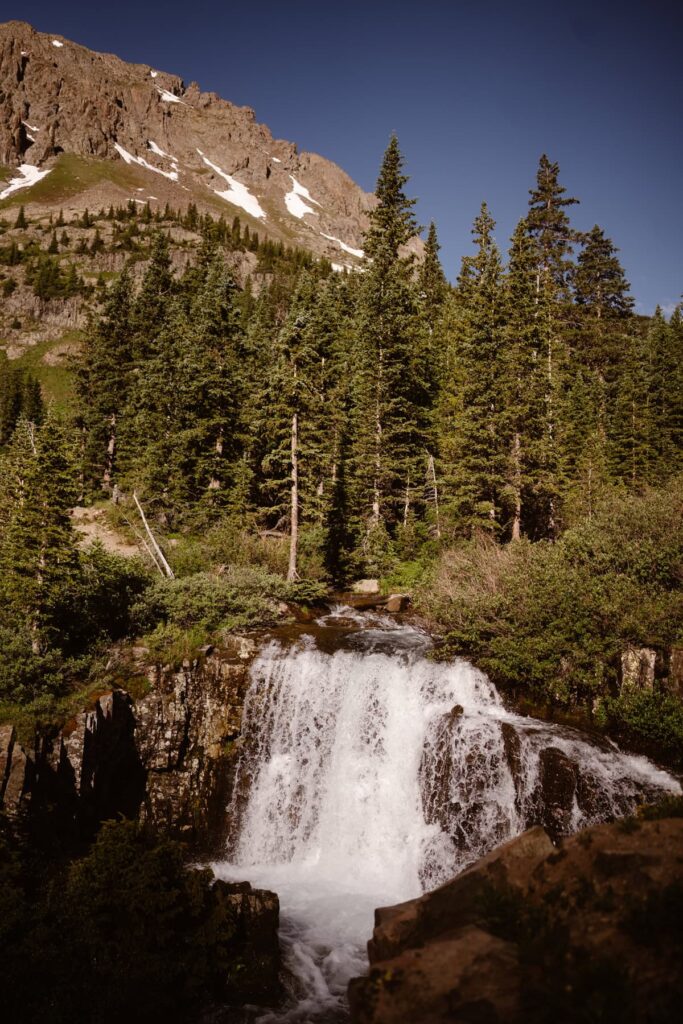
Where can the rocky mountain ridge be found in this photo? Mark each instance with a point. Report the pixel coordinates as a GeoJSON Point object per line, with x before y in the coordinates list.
{"type": "Point", "coordinates": [141, 134]}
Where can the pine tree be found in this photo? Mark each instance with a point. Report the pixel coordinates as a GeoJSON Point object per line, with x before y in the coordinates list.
{"type": "Point", "coordinates": [474, 448]}
{"type": "Point", "coordinates": [103, 385]}
{"type": "Point", "coordinates": [392, 395]}
{"type": "Point", "coordinates": [153, 299]}
{"type": "Point", "coordinates": [184, 404]}
{"type": "Point", "coordinates": [523, 386]}
{"type": "Point", "coordinates": [38, 556]}
{"type": "Point", "coordinates": [431, 278]}
{"type": "Point", "coordinates": [549, 227]}
{"type": "Point", "coordinates": [21, 221]}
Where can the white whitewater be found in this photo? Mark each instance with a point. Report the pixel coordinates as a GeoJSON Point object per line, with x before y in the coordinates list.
{"type": "Point", "coordinates": [370, 774]}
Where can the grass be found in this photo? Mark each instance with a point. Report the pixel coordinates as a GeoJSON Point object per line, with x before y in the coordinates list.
{"type": "Point", "coordinates": [56, 381]}
{"type": "Point", "coordinates": [72, 175]}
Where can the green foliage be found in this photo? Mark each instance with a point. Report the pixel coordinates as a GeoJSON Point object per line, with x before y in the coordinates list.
{"type": "Point", "coordinates": [127, 932]}
{"type": "Point", "coordinates": [553, 619]}
{"type": "Point", "coordinates": [648, 721]}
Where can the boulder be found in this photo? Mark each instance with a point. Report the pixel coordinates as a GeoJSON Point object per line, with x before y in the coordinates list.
{"type": "Point", "coordinates": [397, 602]}
{"type": "Point", "coordinates": [530, 927]}
{"type": "Point", "coordinates": [366, 587]}
{"type": "Point", "coordinates": [638, 668]}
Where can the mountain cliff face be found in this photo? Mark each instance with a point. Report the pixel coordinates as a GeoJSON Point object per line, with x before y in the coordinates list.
{"type": "Point", "coordinates": [79, 128]}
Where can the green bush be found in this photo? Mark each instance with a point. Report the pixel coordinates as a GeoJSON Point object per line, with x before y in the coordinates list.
{"type": "Point", "coordinates": [126, 933]}
{"type": "Point", "coordinates": [551, 619]}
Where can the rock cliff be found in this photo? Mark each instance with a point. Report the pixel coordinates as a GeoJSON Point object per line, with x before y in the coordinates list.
{"type": "Point", "coordinates": [167, 758]}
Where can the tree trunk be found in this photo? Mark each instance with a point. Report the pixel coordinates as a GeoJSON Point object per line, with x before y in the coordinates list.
{"type": "Point", "coordinates": [292, 573]}
{"type": "Point", "coordinates": [164, 564]}
{"type": "Point", "coordinates": [111, 450]}
{"type": "Point", "coordinates": [435, 495]}
{"type": "Point", "coordinates": [517, 485]}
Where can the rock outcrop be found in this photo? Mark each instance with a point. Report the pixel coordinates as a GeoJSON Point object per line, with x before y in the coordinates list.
{"type": "Point", "coordinates": [534, 933]}
{"type": "Point", "coordinates": [168, 758]}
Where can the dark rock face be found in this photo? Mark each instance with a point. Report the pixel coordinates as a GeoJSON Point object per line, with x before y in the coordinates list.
{"type": "Point", "coordinates": [169, 758]}
{"type": "Point", "coordinates": [249, 917]}
{"type": "Point", "coordinates": [499, 943]}
{"type": "Point", "coordinates": [187, 733]}
{"type": "Point", "coordinates": [87, 773]}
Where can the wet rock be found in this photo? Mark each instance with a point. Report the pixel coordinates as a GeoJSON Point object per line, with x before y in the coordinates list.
{"type": "Point", "coordinates": [638, 667]}
{"type": "Point", "coordinates": [186, 733]}
{"type": "Point", "coordinates": [457, 903]}
{"type": "Point", "coordinates": [252, 954]}
{"type": "Point", "coordinates": [557, 791]}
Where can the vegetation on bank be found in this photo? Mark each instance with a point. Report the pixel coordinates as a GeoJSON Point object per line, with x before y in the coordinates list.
{"type": "Point", "coordinates": [551, 620]}
{"type": "Point", "coordinates": [126, 932]}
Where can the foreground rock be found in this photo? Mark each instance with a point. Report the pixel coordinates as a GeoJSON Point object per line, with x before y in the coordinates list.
{"type": "Point", "coordinates": [589, 931]}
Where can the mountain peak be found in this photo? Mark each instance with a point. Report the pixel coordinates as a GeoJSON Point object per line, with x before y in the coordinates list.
{"type": "Point", "coordinates": [184, 145]}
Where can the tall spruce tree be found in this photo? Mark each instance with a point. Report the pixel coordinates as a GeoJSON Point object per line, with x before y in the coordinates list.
{"type": "Point", "coordinates": [554, 238]}
{"type": "Point", "coordinates": [392, 394]}
{"type": "Point", "coordinates": [103, 382]}
{"type": "Point", "coordinates": [475, 448]}
{"type": "Point", "coordinates": [523, 389]}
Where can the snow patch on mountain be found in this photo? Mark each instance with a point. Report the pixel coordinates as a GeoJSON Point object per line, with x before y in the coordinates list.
{"type": "Point", "coordinates": [342, 245]}
{"type": "Point", "coordinates": [28, 175]}
{"type": "Point", "coordinates": [167, 96]}
{"type": "Point", "coordinates": [56, 42]}
{"type": "Point", "coordinates": [31, 127]}
{"type": "Point", "coordinates": [238, 194]}
{"type": "Point", "coordinates": [294, 200]}
{"type": "Point", "coordinates": [140, 160]}
{"type": "Point", "coordinates": [153, 74]}
{"type": "Point", "coordinates": [159, 151]}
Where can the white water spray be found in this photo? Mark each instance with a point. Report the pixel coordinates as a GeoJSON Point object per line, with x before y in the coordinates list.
{"type": "Point", "coordinates": [371, 774]}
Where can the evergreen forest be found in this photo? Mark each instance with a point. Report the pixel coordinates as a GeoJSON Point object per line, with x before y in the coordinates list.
{"type": "Point", "coordinates": [507, 448]}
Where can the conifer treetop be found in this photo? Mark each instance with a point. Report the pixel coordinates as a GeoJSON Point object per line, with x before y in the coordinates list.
{"type": "Point", "coordinates": [392, 222]}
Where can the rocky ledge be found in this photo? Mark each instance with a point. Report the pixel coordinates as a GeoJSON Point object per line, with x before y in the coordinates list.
{"type": "Point", "coordinates": [589, 930]}
{"type": "Point", "coordinates": [167, 758]}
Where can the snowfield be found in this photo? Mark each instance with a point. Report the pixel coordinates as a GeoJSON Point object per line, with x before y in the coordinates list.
{"type": "Point", "coordinates": [28, 175]}
{"type": "Point", "coordinates": [140, 160]}
{"type": "Point", "coordinates": [238, 194]}
{"type": "Point", "coordinates": [167, 96]}
{"type": "Point", "coordinates": [342, 245]}
{"type": "Point", "coordinates": [294, 200]}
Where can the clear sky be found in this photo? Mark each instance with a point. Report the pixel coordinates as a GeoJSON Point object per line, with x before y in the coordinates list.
{"type": "Point", "coordinates": [475, 89]}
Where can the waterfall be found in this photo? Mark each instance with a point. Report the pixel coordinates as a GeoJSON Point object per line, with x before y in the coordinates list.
{"type": "Point", "coordinates": [370, 773]}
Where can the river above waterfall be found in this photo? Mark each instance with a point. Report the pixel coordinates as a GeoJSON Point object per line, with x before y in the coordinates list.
{"type": "Point", "coordinates": [370, 773]}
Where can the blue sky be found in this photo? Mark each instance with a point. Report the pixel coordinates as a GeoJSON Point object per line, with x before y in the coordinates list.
{"type": "Point", "coordinates": [475, 90]}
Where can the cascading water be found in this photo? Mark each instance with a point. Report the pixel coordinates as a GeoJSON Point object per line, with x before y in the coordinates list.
{"type": "Point", "coordinates": [370, 773]}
